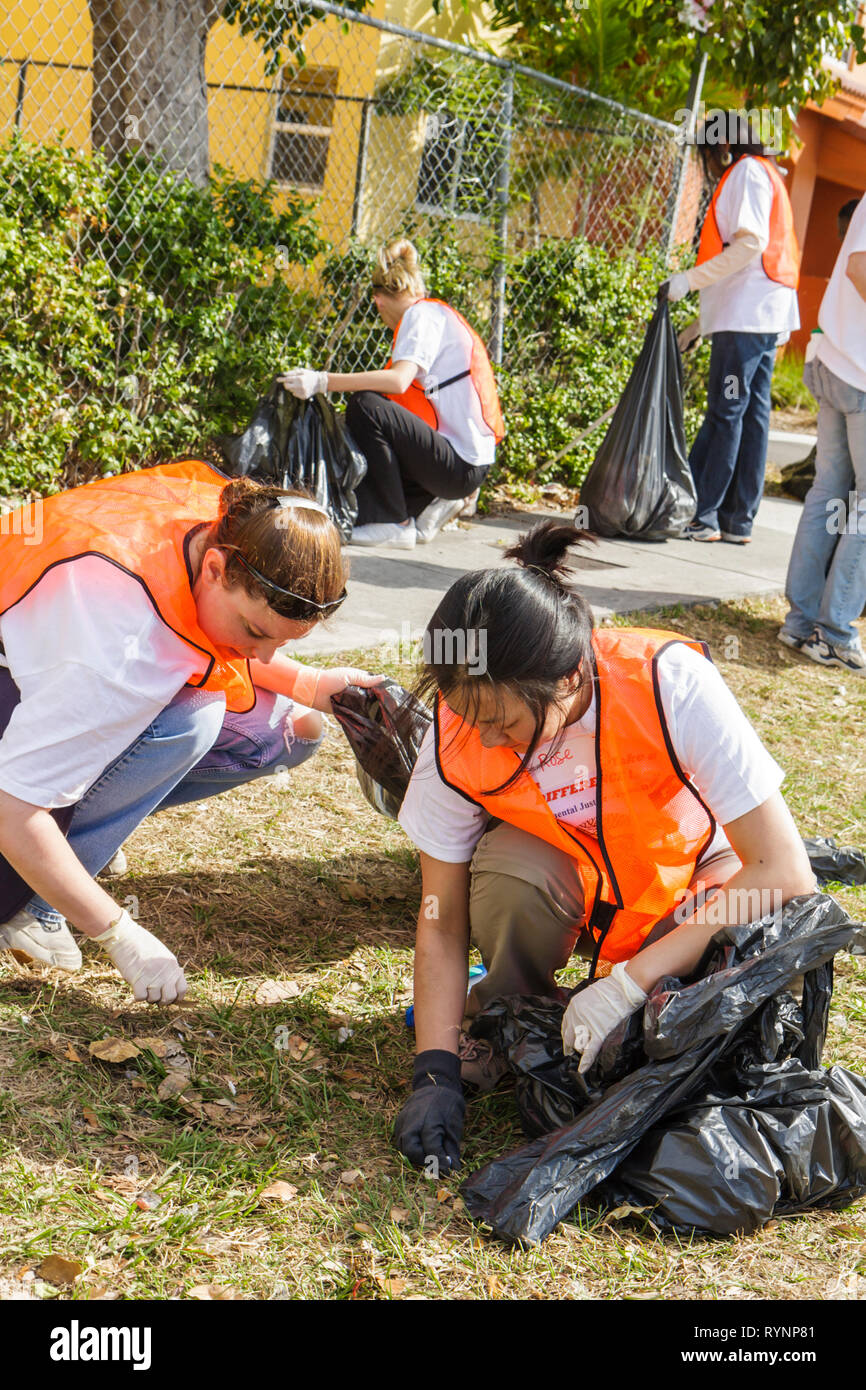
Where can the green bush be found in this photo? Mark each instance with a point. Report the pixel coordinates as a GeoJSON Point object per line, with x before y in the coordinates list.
{"type": "Point", "coordinates": [575, 325]}
{"type": "Point", "coordinates": [140, 313]}
{"type": "Point", "coordinates": [788, 391]}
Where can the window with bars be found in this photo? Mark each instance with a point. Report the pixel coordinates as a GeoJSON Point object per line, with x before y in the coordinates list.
{"type": "Point", "coordinates": [302, 129]}
{"type": "Point", "coordinates": [458, 166]}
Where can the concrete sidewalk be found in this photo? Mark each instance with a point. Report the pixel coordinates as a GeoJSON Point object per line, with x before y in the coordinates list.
{"type": "Point", "coordinates": [392, 593]}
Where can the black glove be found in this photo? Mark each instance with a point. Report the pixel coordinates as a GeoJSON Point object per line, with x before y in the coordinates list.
{"type": "Point", "coordinates": [430, 1125]}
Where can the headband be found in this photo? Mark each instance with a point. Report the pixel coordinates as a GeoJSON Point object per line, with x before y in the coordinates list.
{"type": "Point", "coordinates": [302, 502]}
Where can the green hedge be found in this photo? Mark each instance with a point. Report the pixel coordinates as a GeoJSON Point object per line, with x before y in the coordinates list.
{"type": "Point", "coordinates": [138, 312]}
{"type": "Point", "coordinates": [141, 315]}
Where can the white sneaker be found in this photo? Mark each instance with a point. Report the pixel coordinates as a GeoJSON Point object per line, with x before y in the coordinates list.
{"type": "Point", "coordinates": [385, 533]}
{"type": "Point", "coordinates": [470, 504]}
{"type": "Point", "coordinates": [51, 945]}
{"type": "Point", "coordinates": [790, 639]}
{"type": "Point", "coordinates": [437, 515]}
{"type": "Point", "coordinates": [851, 659]}
{"type": "Point", "coordinates": [116, 866]}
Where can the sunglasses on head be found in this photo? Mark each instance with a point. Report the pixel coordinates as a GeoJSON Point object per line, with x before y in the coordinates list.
{"type": "Point", "coordinates": [309, 606]}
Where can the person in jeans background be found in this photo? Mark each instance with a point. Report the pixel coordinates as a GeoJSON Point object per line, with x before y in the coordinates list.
{"type": "Point", "coordinates": [826, 582]}
{"type": "Point", "coordinates": [747, 272]}
{"type": "Point", "coordinates": [428, 422]}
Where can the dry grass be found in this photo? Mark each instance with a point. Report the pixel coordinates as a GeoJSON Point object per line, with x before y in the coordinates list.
{"type": "Point", "coordinates": [298, 880]}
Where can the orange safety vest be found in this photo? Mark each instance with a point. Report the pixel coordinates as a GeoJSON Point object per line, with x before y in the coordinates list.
{"type": "Point", "coordinates": [781, 259]}
{"type": "Point", "coordinates": [140, 522]}
{"type": "Point", "coordinates": [479, 369]}
{"type": "Point", "coordinates": [652, 824]}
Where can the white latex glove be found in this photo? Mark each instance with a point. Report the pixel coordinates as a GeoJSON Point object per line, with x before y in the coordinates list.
{"type": "Point", "coordinates": [595, 1012]}
{"type": "Point", "coordinates": [336, 678]}
{"type": "Point", "coordinates": [143, 961]}
{"type": "Point", "coordinates": [303, 382]}
{"type": "Point", "coordinates": [314, 688]}
{"type": "Point", "coordinates": [678, 287]}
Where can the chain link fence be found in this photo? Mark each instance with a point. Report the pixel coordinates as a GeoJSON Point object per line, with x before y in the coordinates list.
{"type": "Point", "coordinates": [191, 204]}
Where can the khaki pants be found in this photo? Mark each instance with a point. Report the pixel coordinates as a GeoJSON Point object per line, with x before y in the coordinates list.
{"type": "Point", "coordinates": [526, 912]}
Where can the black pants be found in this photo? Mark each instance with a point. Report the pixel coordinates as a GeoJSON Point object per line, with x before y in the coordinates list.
{"type": "Point", "coordinates": [408, 463]}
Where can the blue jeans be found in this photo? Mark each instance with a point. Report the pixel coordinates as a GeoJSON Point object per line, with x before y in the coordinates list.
{"type": "Point", "coordinates": [826, 583]}
{"type": "Point", "coordinates": [193, 749]}
{"type": "Point", "coordinates": [729, 454]}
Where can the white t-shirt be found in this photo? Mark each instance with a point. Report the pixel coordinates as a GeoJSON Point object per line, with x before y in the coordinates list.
{"type": "Point", "coordinates": [94, 665]}
{"type": "Point", "coordinates": [747, 301]}
{"type": "Point", "coordinates": [715, 744]}
{"type": "Point", "coordinates": [842, 316]}
{"type": "Point", "coordinates": [432, 337]}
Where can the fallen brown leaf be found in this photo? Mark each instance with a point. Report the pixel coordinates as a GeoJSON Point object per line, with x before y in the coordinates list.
{"type": "Point", "coordinates": [351, 1074]}
{"type": "Point", "coordinates": [56, 1269]}
{"type": "Point", "coordinates": [276, 991]}
{"type": "Point", "coordinates": [216, 1292]}
{"type": "Point", "coordinates": [223, 1114]}
{"type": "Point", "coordinates": [70, 1054]}
{"type": "Point", "coordinates": [172, 1084]}
{"type": "Point", "coordinates": [114, 1050]}
{"type": "Point", "coordinates": [362, 1228]}
{"type": "Point", "coordinates": [393, 1287]}
{"type": "Point", "coordinates": [90, 1117]}
{"type": "Point", "coordinates": [158, 1046]}
{"type": "Point", "coordinates": [279, 1191]}
{"type": "Point", "coordinates": [352, 891]}
{"type": "Point", "coordinates": [175, 1057]}
{"type": "Point", "coordinates": [399, 1214]}
{"type": "Point", "coordinates": [626, 1209]}
{"type": "Point", "coordinates": [351, 1176]}
{"type": "Point", "coordinates": [300, 1050]}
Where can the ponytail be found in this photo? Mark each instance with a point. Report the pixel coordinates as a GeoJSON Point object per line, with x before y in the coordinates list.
{"type": "Point", "coordinates": [397, 270]}
{"type": "Point", "coordinates": [530, 623]}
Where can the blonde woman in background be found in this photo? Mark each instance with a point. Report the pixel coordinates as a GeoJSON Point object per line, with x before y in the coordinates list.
{"type": "Point", "coordinates": [428, 422]}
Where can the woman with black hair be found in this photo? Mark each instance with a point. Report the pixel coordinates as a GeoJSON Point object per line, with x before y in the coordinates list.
{"type": "Point", "coordinates": [747, 273]}
{"type": "Point", "coordinates": [588, 791]}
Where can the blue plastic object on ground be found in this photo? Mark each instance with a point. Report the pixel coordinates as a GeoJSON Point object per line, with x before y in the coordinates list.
{"type": "Point", "coordinates": [476, 973]}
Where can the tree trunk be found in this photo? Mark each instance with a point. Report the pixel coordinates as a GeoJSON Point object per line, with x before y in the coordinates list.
{"type": "Point", "coordinates": [149, 89]}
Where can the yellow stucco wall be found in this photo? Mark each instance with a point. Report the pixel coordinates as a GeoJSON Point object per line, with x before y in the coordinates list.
{"type": "Point", "coordinates": [53, 39]}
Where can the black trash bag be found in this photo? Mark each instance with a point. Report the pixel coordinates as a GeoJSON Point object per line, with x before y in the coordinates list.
{"type": "Point", "coordinates": [727, 1057]}
{"type": "Point", "coordinates": [834, 863]}
{"type": "Point", "coordinates": [300, 444]}
{"type": "Point", "coordinates": [797, 478]}
{"type": "Point", "coordinates": [640, 484]}
{"type": "Point", "coordinates": [385, 726]}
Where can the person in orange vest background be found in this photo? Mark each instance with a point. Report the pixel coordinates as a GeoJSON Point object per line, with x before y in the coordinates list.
{"type": "Point", "coordinates": [139, 670]}
{"type": "Point", "coordinates": [747, 272]}
{"type": "Point", "coordinates": [428, 423]}
{"type": "Point", "coordinates": [583, 791]}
